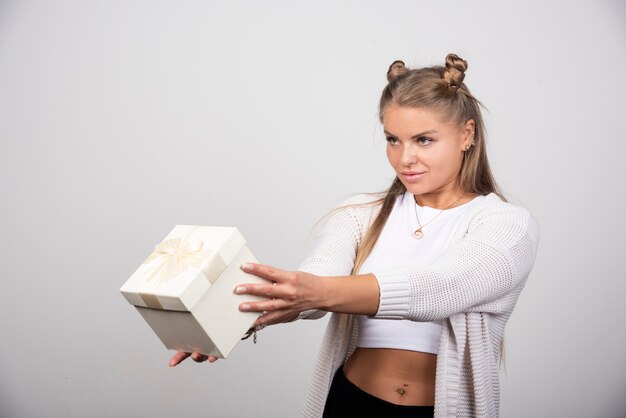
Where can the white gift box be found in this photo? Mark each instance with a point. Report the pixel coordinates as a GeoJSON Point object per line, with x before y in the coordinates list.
{"type": "Point", "coordinates": [185, 289]}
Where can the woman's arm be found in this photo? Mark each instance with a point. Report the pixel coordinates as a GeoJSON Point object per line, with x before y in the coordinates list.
{"type": "Point", "coordinates": [494, 257]}
{"type": "Point", "coordinates": [333, 252]}
{"type": "Point", "coordinates": [296, 291]}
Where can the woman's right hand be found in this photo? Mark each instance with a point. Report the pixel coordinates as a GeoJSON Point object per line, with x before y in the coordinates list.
{"type": "Point", "coordinates": [195, 356]}
{"type": "Point", "coordinates": [277, 318]}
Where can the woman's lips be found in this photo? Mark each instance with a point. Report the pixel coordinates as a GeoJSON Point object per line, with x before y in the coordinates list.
{"type": "Point", "coordinates": [413, 176]}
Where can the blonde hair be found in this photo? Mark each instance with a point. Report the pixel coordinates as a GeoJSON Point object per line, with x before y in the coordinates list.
{"type": "Point", "coordinates": [441, 89]}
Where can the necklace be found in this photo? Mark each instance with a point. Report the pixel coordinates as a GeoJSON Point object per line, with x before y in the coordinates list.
{"type": "Point", "coordinates": [419, 232]}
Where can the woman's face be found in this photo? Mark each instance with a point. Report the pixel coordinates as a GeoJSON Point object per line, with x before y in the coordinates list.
{"type": "Point", "coordinates": [426, 152]}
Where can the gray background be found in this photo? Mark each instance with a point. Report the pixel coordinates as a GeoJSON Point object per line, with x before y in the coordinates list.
{"type": "Point", "coordinates": [120, 119]}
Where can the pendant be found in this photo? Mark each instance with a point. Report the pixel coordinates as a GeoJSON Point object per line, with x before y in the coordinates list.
{"type": "Point", "coordinates": [418, 233]}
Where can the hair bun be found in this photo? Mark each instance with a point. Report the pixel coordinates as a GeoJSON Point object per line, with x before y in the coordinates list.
{"type": "Point", "coordinates": [396, 69]}
{"type": "Point", "coordinates": [454, 73]}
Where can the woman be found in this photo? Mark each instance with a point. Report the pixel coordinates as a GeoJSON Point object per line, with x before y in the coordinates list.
{"type": "Point", "coordinates": [422, 280]}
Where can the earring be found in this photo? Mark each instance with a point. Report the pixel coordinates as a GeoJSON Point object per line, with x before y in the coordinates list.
{"type": "Point", "coordinates": [473, 142]}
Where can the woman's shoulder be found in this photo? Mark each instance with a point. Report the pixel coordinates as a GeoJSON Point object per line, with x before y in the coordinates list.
{"type": "Point", "coordinates": [493, 208]}
{"type": "Point", "coordinates": [493, 201]}
{"type": "Point", "coordinates": [354, 212]}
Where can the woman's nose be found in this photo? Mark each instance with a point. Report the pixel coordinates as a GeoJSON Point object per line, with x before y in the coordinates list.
{"type": "Point", "coordinates": [409, 156]}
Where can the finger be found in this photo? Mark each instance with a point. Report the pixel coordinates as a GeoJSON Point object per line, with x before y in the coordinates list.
{"type": "Point", "coordinates": [198, 357]}
{"type": "Point", "coordinates": [268, 291]}
{"type": "Point", "coordinates": [265, 271]}
{"type": "Point", "coordinates": [270, 305]}
{"type": "Point", "coordinates": [178, 357]}
{"type": "Point", "coordinates": [212, 359]}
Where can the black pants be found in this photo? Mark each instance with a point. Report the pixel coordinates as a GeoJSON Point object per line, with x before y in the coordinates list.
{"type": "Point", "coordinates": [345, 399]}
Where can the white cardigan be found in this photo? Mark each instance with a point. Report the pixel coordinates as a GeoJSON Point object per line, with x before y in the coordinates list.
{"type": "Point", "coordinates": [472, 287]}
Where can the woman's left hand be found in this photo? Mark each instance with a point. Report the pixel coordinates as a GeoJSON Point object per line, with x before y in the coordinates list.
{"type": "Point", "coordinates": [290, 293]}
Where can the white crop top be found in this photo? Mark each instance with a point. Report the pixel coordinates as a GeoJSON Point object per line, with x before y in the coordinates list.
{"type": "Point", "coordinates": [396, 247]}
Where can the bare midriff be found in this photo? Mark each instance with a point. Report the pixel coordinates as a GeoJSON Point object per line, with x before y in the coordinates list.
{"type": "Point", "coordinates": [402, 377]}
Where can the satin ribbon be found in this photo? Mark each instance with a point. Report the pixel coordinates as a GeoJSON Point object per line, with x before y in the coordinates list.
{"type": "Point", "coordinates": [175, 255]}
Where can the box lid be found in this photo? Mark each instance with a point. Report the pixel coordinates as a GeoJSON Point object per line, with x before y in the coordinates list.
{"type": "Point", "coordinates": [183, 267]}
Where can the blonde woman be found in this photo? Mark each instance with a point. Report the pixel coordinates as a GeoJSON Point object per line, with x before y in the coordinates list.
{"type": "Point", "coordinates": [420, 279]}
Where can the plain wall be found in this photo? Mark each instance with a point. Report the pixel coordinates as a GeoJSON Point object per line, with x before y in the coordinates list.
{"type": "Point", "coordinates": [120, 119]}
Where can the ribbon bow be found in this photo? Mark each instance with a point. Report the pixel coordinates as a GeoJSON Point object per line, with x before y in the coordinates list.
{"type": "Point", "coordinates": [173, 256]}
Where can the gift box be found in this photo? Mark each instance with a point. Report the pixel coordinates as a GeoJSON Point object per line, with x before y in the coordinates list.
{"type": "Point", "coordinates": [185, 289]}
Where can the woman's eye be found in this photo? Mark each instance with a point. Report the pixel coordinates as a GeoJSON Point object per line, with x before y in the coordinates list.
{"type": "Point", "coordinates": [424, 140]}
{"type": "Point", "coordinates": [392, 140]}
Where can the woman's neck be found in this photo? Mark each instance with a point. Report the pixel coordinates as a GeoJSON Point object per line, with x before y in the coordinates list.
{"type": "Point", "coordinates": [443, 200]}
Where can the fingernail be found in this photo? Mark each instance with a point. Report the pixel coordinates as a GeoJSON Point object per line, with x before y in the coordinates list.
{"type": "Point", "coordinates": [240, 289]}
{"type": "Point", "coordinates": [245, 307]}
{"type": "Point", "coordinates": [246, 266]}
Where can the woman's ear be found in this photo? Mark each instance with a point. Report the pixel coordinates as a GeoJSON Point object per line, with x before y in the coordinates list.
{"type": "Point", "coordinates": [468, 132]}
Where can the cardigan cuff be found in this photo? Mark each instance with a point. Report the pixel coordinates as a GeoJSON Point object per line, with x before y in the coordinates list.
{"type": "Point", "coordinates": [394, 293]}
{"type": "Point", "coordinates": [309, 314]}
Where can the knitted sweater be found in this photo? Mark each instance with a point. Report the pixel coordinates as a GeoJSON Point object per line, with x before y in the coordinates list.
{"type": "Point", "coordinates": [472, 287]}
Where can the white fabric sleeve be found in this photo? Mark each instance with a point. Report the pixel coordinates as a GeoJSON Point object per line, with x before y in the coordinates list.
{"type": "Point", "coordinates": [334, 249]}
{"type": "Point", "coordinates": [495, 256]}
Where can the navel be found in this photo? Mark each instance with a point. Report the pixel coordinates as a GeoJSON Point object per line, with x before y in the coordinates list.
{"type": "Point", "coordinates": [402, 390]}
